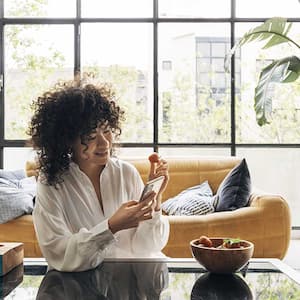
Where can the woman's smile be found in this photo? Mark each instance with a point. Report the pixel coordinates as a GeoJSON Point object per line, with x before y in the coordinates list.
{"type": "Point", "coordinates": [101, 153]}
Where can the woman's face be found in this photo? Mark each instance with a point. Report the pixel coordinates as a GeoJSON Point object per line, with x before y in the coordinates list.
{"type": "Point", "coordinates": [97, 149]}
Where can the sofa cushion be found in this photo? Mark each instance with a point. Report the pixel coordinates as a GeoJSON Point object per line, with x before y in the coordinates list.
{"type": "Point", "coordinates": [196, 200]}
{"type": "Point", "coordinates": [16, 194]}
{"type": "Point", "coordinates": [234, 191]}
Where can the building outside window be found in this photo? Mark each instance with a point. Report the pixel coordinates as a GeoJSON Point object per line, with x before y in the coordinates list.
{"type": "Point", "coordinates": [165, 61]}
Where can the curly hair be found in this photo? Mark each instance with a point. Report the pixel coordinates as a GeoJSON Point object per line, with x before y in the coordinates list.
{"type": "Point", "coordinates": [69, 110]}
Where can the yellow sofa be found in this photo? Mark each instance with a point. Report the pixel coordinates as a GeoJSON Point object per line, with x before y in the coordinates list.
{"type": "Point", "coordinates": [265, 222]}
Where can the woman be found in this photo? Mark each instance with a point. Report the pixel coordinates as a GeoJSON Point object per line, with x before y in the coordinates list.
{"type": "Point", "coordinates": [87, 204]}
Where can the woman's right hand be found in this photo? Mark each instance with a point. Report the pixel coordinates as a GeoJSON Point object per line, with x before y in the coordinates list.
{"type": "Point", "coordinates": [131, 213]}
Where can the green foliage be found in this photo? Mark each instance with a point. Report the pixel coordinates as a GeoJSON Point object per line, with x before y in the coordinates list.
{"type": "Point", "coordinates": [282, 70]}
{"type": "Point", "coordinates": [184, 116]}
{"type": "Point", "coordinates": [285, 124]}
{"type": "Point", "coordinates": [274, 286]}
{"type": "Point", "coordinates": [29, 71]}
{"type": "Point", "coordinates": [32, 281]}
{"type": "Point", "coordinates": [125, 82]}
{"type": "Point", "coordinates": [274, 32]}
{"type": "Point", "coordinates": [34, 8]}
{"type": "Point", "coordinates": [231, 241]}
{"type": "Point", "coordinates": [179, 286]}
{"type": "Point", "coordinates": [186, 120]}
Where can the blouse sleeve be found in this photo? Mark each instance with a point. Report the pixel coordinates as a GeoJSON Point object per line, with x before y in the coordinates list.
{"type": "Point", "coordinates": [152, 235]}
{"type": "Point", "coordinates": [64, 250]}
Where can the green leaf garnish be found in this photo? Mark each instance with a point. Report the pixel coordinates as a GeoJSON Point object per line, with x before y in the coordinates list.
{"type": "Point", "coordinates": [231, 241]}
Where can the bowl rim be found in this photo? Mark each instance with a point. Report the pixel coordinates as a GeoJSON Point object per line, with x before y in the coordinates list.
{"type": "Point", "coordinates": [192, 244]}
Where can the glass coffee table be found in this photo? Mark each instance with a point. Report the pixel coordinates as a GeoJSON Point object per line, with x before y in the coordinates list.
{"type": "Point", "coordinates": [152, 279]}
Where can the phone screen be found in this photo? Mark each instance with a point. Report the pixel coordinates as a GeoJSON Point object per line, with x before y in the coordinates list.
{"type": "Point", "coordinates": [152, 185]}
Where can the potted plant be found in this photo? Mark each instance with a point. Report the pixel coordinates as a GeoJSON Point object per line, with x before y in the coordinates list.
{"type": "Point", "coordinates": [273, 31]}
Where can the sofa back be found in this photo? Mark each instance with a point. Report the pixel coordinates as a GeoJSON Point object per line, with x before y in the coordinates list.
{"type": "Point", "coordinates": [187, 172]}
{"type": "Point", "coordinates": [184, 171]}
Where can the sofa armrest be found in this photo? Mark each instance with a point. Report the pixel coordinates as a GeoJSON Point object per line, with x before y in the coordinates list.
{"type": "Point", "coordinates": [277, 220]}
{"type": "Point", "coordinates": [21, 230]}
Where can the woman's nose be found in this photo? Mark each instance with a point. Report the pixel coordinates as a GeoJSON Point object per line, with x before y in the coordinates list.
{"type": "Point", "coordinates": [101, 139]}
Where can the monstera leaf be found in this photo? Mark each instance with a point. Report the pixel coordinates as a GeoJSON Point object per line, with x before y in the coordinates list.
{"type": "Point", "coordinates": [282, 70]}
{"type": "Point", "coordinates": [274, 31]}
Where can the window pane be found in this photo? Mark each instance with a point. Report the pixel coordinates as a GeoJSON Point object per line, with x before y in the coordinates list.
{"type": "Point", "coordinates": [36, 56]}
{"type": "Point", "coordinates": [194, 8]}
{"type": "Point", "coordinates": [267, 8]}
{"type": "Point", "coordinates": [203, 79]}
{"type": "Point", "coordinates": [117, 8]}
{"type": "Point", "coordinates": [218, 49]}
{"type": "Point", "coordinates": [203, 49]}
{"type": "Point", "coordinates": [15, 158]}
{"type": "Point", "coordinates": [218, 64]}
{"type": "Point", "coordinates": [123, 57]}
{"type": "Point", "coordinates": [203, 64]}
{"type": "Point", "coordinates": [276, 171]}
{"type": "Point", "coordinates": [39, 9]}
{"type": "Point", "coordinates": [285, 124]}
{"type": "Point", "coordinates": [194, 97]}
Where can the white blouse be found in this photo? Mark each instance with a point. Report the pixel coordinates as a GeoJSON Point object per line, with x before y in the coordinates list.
{"type": "Point", "coordinates": [72, 230]}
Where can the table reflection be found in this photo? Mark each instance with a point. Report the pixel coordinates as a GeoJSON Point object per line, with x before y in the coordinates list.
{"type": "Point", "coordinates": [11, 280]}
{"type": "Point", "coordinates": [110, 280]}
{"type": "Point", "coordinates": [221, 287]}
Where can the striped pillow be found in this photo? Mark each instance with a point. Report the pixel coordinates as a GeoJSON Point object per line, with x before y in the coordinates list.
{"type": "Point", "coordinates": [196, 200]}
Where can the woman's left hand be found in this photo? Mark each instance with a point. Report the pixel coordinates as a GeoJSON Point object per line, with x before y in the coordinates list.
{"type": "Point", "coordinates": [159, 167]}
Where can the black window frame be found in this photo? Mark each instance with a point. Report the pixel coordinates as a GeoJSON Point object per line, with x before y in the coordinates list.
{"type": "Point", "coordinates": [155, 21]}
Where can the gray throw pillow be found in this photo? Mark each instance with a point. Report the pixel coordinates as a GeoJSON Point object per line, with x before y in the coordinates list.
{"type": "Point", "coordinates": [196, 200]}
{"type": "Point", "coordinates": [234, 191]}
{"type": "Point", "coordinates": [16, 195]}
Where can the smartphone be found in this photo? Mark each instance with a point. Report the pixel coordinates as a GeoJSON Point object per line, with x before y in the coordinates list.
{"type": "Point", "coordinates": [152, 185]}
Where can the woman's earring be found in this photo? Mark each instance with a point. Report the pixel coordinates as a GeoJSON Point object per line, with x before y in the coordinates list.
{"type": "Point", "coordinates": [70, 152]}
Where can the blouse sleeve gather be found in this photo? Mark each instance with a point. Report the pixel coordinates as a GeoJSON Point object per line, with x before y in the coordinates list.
{"type": "Point", "coordinates": [152, 235]}
{"type": "Point", "coordinates": [67, 251]}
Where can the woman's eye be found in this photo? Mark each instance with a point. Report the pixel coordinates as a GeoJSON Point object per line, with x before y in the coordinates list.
{"type": "Point", "coordinates": [106, 130]}
{"type": "Point", "coordinates": [91, 137]}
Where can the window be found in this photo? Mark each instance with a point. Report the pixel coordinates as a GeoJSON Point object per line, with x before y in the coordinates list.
{"type": "Point", "coordinates": [122, 55]}
{"type": "Point", "coordinates": [164, 59]}
{"type": "Point", "coordinates": [196, 88]}
{"type": "Point", "coordinates": [167, 65]}
{"type": "Point", "coordinates": [211, 78]}
{"type": "Point", "coordinates": [35, 57]}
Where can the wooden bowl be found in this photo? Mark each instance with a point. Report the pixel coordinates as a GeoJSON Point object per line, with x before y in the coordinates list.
{"type": "Point", "coordinates": [222, 260]}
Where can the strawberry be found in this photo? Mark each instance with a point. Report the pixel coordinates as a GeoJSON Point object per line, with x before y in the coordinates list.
{"type": "Point", "coordinates": [205, 241]}
{"type": "Point", "coordinates": [153, 158]}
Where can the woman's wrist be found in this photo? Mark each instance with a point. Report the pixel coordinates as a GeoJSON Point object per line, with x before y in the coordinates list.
{"type": "Point", "coordinates": [111, 227]}
{"type": "Point", "coordinates": [158, 203]}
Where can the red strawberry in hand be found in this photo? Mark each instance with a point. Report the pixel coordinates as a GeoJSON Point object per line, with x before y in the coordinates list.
{"type": "Point", "coordinates": [154, 158]}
